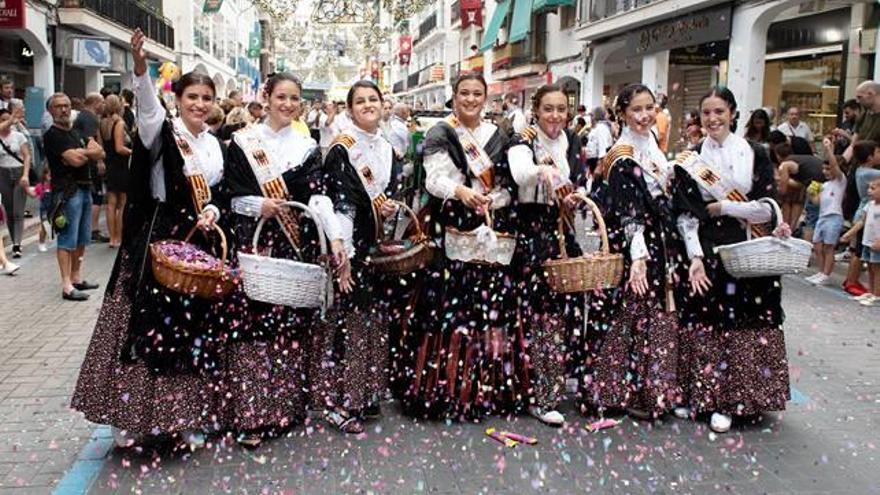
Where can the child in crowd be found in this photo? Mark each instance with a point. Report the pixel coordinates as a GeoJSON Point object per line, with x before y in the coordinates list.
{"type": "Point", "coordinates": [869, 223]}
{"type": "Point", "coordinates": [830, 224]}
{"type": "Point", "coordinates": [43, 191]}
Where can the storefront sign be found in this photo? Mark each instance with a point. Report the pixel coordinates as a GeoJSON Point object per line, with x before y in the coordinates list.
{"type": "Point", "coordinates": [12, 14]}
{"type": "Point", "coordinates": [703, 54]}
{"type": "Point", "coordinates": [212, 6]}
{"type": "Point", "coordinates": [405, 49]}
{"type": "Point", "coordinates": [471, 13]}
{"type": "Point", "coordinates": [91, 52]}
{"type": "Point", "coordinates": [692, 29]}
{"type": "Point", "coordinates": [520, 84]}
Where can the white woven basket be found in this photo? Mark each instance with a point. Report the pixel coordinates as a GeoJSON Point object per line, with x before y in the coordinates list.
{"type": "Point", "coordinates": [766, 256]}
{"type": "Point", "coordinates": [468, 247]}
{"type": "Point", "coordinates": [287, 282]}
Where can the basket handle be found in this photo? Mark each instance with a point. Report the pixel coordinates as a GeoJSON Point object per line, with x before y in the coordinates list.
{"type": "Point", "coordinates": [412, 214]}
{"type": "Point", "coordinates": [308, 212]}
{"type": "Point", "coordinates": [223, 245]}
{"type": "Point", "coordinates": [600, 223]}
{"type": "Point", "coordinates": [776, 211]}
{"type": "Point", "coordinates": [490, 221]}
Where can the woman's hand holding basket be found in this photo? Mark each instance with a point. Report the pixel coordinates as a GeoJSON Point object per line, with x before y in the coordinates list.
{"type": "Point", "coordinates": [271, 207]}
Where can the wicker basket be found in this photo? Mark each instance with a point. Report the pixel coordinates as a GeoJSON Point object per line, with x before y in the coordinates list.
{"type": "Point", "coordinates": [284, 282]}
{"type": "Point", "coordinates": [415, 258]}
{"type": "Point", "coordinates": [601, 270]}
{"type": "Point", "coordinates": [466, 246]}
{"type": "Point", "coordinates": [765, 256]}
{"type": "Point", "coordinates": [190, 280]}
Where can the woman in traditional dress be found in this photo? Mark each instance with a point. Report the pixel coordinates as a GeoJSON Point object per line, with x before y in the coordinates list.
{"type": "Point", "coordinates": [266, 381]}
{"type": "Point", "coordinates": [151, 366]}
{"type": "Point", "coordinates": [542, 161]}
{"type": "Point", "coordinates": [733, 349]}
{"type": "Point", "coordinates": [352, 343]}
{"type": "Point", "coordinates": [634, 366]}
{"type": "Point", "coordinates": [467, 359]}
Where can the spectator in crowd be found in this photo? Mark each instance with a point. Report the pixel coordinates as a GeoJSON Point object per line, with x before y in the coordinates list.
{"type": "Point", "coordinates": [793, 126]}
{"type": "Point", "coordinates": [829, 199]}
{"type": "Point", "coordinates": [255, 108]}
{"type": "Point", "coordinates": [328, 126]}
{"type": "Point", "coordinates": [68, 154]}
{"type": "Point", "coordinates": [43, 193]}
{"type": "Point", "coordinates": [343, 121]}
{"type": "Point", "coordinates": [76, 106]}
{"type": "Point", "coordinates": [15, 164]}
{"type": "Point", "coordinates": [16, 108]}
{"type": "Point", "coordinates": [87, 123]}
{"type": "Point", "coordinates": [227, 105]}
{"type": "Point", "coordinates": [6, 267]}
{"type": "Point", "coordinates": [513, 113]}
{"type": "Point", "coordinates": [868, 125]}
{"type": "Point", "coordinates": [599, 140]}
{"type": "Point", "coordinates": [771, 114]}
{"type": "Point", "coordinates": [582, 114]}
{"type": "Point", "coordinates": [128, 110]}
{"type": "Point", "coordinates": [796, 173]}
{"type": "Point", "coordinates": [117, 147]}
{"type": "Point", "coordinates": [868, 225]}
{"type": "Point", "coordinates": [852, 111]}
{"type": "Point", "coordinates": [758, 127]}
{"type": "Point", "coordinates": [691, 130]}
{"type": "Point", "coordinates": [238, 118]}
{"type": "Point", "coordinates": [235, 97]}
{"type": "Point", "coordinates": [216, 117]}
{"type": "Point", "coordinates": [799, 145]}
{"type": "Point", "coordinates": [7, 92]}
{"type": "Point", "coordinates": [298, 123]}
{"type": "Point", "coordinates": [314, 120]}
{"type": "Point", "coordinates": [399, 135]}
{"type": "Point", "coordinates": [663, 122]}
{"type": "Point", "coordinates": [866, 161]}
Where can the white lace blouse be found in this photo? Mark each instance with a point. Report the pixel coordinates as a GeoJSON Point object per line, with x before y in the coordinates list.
{"type": "Point", "coordinates": [526, 173]}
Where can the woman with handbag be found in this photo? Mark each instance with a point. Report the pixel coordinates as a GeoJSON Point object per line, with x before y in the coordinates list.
{"type": "Point", "coordinates": [467, 361]}
{"type": "Point", "coordinates": [151, 366]}
{"type": "Point", "coordinates": [350, 348]}
{"type": "Point", "coordinates": [634, 354]}
{"type": "Point", "coordinates": [733, 349]}
{"type": "Point", "coordinates": [543, 163]}
{"type": "Point", "coordinates": [266, 382]}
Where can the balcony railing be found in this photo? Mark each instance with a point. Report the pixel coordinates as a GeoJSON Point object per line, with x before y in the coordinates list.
{"type": "Point", "coordinates": [412, 80]}
{"type": "Point", "coordinates": [601, 9]}
{"type": "Point", "coordinates": [514, 54]}
{"type": "Point", "coordinates": [399, 87]}
{"type": "Point", "coordinates": [428, 25]}
{"type": "Point", "coordinates": [131, 14]}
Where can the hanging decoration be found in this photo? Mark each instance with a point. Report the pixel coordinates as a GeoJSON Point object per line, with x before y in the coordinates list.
{"type": "Point", "coordinates": [341, 12]}
{"type": "Point", "coordinates": [279, 10]}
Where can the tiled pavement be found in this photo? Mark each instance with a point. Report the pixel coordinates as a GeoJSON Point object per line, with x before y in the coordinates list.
{"type": "Point", "coordinates": [825, 443]}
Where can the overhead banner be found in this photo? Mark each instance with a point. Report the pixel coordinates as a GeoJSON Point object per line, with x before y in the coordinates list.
{"type": "Point", "coordinates": [212, 6]}
{"type": "Point", "coordinates": [405, 49]}
{"type": "Point", "coordinates": [471, 13]}
{"type": "Point", "coordinates": [91, 52]}
{"type": "Point", "coordinates": [12, 14]}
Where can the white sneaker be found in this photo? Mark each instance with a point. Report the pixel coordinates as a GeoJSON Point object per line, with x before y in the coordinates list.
{"type": "Point", "coordinates": [820, 279]}
{"type": "Point", "coordinates": [811, 278]}
{"type": "Point", "coordinates": [866, 295]}
{"type": "Point", "coordinates": [194, 438]}
{"type": "Point", "coordinates": [42, 247]}
{"type": "Point", "coordinates": [682, 412]}
{"type": "Point", "coordinates": [720, 423]}
{"type": "Point", "coordinates": [552, 418]}
{"type": "Point", "coordinates": [122, 438]}
{"type": "Point", "coordinates": [10, 268]}
{"type": "Point", "coordinates": [870, 301]}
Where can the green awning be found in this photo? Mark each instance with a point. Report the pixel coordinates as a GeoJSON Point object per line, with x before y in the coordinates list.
{"type": "Point", "coordinates": [498, 18]}
{"type": "Point", "coordinates": [539, 5]}
{"type": "Point", "coordinates": [521, 22]}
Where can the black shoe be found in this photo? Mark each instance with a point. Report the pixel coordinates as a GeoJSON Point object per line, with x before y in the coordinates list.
{"type": "Point", "coordinates": [28, 214]}
{"type": "Point", "coordinates": [16, 251]}
{"type": "Point", "coordinates": [97, 236]}
{"type": "Point", "coordinates": [74, 295]}
{"type": "Point", "coordinates": [374, 410]}
{"type": "Point", "coordinates": [85, 286]}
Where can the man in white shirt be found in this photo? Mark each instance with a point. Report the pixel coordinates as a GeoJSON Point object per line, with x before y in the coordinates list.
{"type": "Point", "coordinates": [600, 139]}
{"type": "Point", "coordinates": [398, 133]}
{"type": "Point", "coordinates": [794, 127]}
{"type": "Point", "coordinates": [7, 92]}
{"type": "Point", "coordinates": [514, 113]}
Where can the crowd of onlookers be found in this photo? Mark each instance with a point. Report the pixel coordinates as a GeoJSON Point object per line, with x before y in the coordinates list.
{"type": "Point", "coordinates": [825, 187]}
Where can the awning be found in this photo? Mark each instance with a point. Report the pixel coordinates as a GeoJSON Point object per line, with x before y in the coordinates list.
{"type": "Point", "coordinates": [498, 18]}
{"type": "Point", "coordinates": [539, 5]}
{"type": "Point", "coordinates": [521, 22]}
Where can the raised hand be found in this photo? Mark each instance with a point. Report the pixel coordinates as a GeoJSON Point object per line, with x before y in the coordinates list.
{"type": "Point", "coordinates": [137, 52]}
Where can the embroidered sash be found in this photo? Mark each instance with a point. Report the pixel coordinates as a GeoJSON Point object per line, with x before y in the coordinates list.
{"type": "Point", "coordinates": [200, 192]}
{"type": "Point", "coordinates": [562, 185]}
{"type": "Point", "coordinates": [271, 184]}
{"type": "Point", "coordinates": [479, 162]}
{"type": "Point", "coordinates": [361, 163]}
{"type": "Point", "coordinates": [718, 186]}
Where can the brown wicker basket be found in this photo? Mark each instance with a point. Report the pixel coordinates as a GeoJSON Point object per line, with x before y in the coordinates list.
{"type": "Point", "coordinates": [600, 270]}
{"type": "Point", "coordinates": [184, 279]}
{"type": "Point", "coordinates": [418, 256]}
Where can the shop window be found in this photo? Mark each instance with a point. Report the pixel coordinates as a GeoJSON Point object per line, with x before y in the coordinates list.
{"type": "Point", "coordinates": [811, 84]}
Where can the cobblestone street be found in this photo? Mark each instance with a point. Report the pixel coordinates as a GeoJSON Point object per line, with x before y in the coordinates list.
{"type": "Point", "coordinates": [825, 442]}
